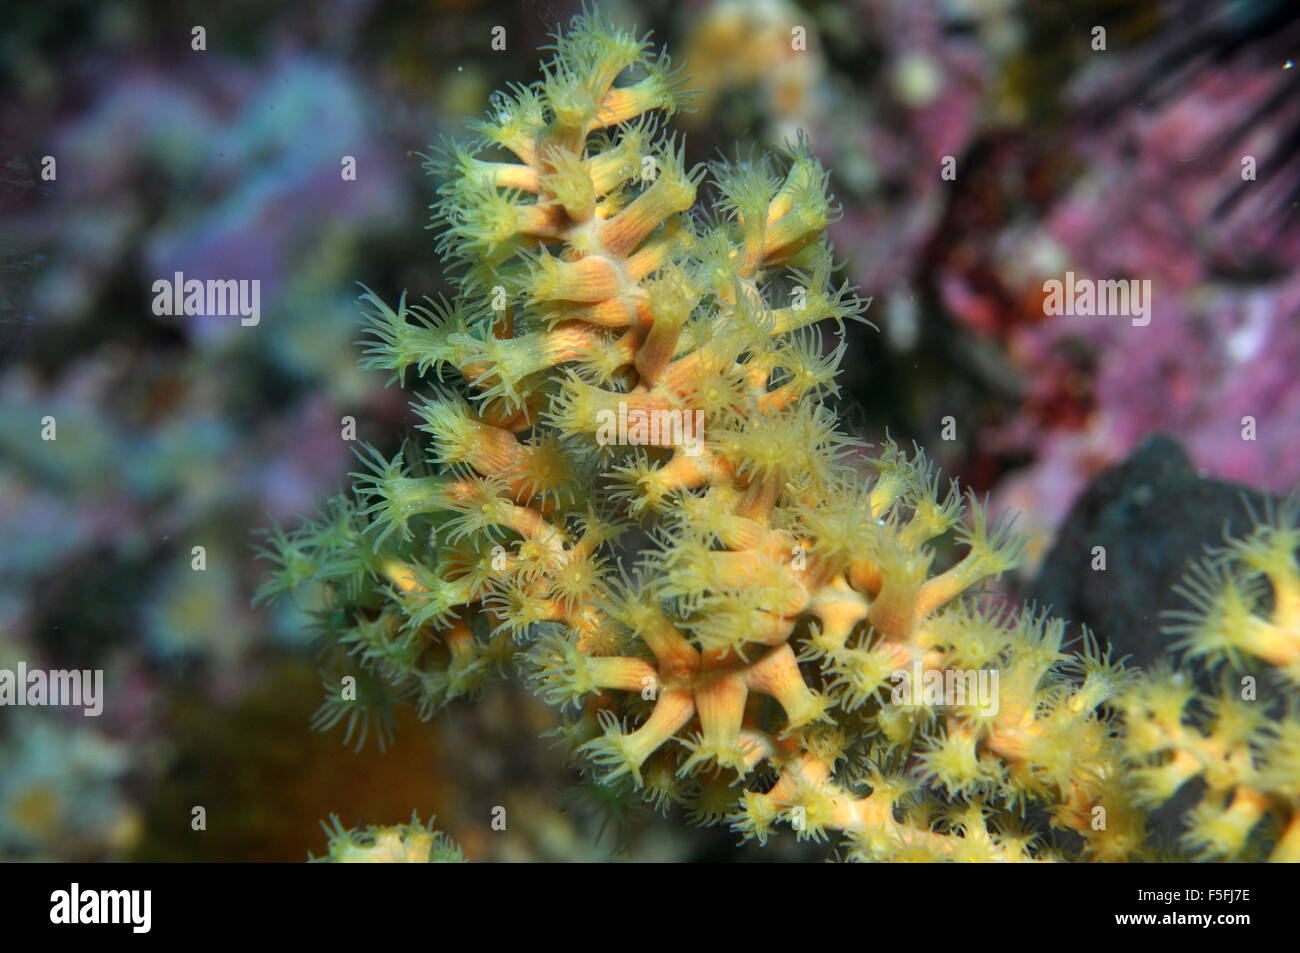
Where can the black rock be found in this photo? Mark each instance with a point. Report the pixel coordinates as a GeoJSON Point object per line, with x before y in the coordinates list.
{"type": "Point", "coordinates": [1153, 515]}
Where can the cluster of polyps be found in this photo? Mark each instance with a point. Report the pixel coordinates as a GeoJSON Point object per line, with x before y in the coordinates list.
{"type": "Point", "coordinates": [739, 660]}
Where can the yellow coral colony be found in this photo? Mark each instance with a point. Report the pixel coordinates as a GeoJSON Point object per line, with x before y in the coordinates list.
{"type": "Point", "coordinates": [412, 843]}
{"type": "Point", "coordinates": [1245, 600]}
{"type": "Point", "coordinates": [721, 623]}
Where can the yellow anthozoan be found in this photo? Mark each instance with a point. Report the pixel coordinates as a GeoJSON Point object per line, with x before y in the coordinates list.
{"type": "Point", "coordinates": [723, 620]}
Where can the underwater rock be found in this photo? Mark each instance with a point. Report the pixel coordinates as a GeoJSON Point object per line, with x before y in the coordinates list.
{"type": "Point", "coordinates": [1153, 515]}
